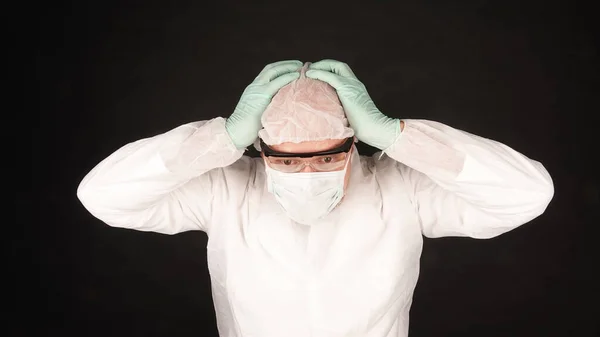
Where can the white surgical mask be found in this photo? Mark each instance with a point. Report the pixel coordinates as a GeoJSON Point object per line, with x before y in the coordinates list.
{"type": "Point", "coordinates": [307, 196]}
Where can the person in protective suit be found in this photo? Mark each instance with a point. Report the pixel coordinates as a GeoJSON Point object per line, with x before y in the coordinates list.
{"type": "Point", "coordinates": [311, 238]}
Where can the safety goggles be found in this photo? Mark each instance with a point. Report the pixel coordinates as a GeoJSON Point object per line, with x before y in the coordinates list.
{"type": "Point", "coordinates": [323, 161]}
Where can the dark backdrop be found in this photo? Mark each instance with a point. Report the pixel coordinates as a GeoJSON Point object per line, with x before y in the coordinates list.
{"type": "Point", "coordinates": [111, 72]}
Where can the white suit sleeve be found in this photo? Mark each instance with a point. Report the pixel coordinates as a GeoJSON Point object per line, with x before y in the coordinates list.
{"type": "Point", "coordinates": [465, 185]}
{"type": "Point", "coordinates": [168, 183]}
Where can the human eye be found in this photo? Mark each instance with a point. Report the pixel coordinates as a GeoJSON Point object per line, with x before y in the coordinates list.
{"type": "Point", "coordinates": [332, 158]}
{"type": "Point", "coordinates": [286, 162]}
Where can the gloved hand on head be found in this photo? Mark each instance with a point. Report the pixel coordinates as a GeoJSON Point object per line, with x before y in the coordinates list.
{"type": "Point", "coordinates": [321, 101]}
{"type": "Point", "coordinates": [369, 124]}
{"type": "Point", "coordinates": [243, 125]}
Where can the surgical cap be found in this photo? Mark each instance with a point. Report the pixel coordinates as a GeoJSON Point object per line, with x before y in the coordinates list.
{"type": "Point", "coordinates": [304, 110]}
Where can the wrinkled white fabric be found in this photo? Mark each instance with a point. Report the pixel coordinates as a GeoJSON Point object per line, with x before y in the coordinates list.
{"type": "Point", "coordinates": [304, 110]}
{"type": "Point", "coordinates": [353, 273]}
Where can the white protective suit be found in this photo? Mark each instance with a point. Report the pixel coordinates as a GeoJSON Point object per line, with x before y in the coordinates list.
{"type": "Point", "coordinates": [354, 273]}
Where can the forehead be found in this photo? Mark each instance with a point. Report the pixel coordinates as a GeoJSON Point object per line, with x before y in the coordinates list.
{"type": "Point", "coordinates": [307, 147]}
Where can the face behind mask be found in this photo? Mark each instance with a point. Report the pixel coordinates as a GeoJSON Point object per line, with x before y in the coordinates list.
{"type": "Point", "coordinates": [307, 196]}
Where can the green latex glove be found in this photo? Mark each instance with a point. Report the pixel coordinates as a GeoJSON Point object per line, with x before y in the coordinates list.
{"type": "Point", "coordinates": [243, 125]}
{"type": "Point", "coordinates": [369, 124]}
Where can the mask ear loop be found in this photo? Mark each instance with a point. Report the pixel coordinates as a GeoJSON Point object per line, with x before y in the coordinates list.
{"type": "Point", "coordinates": [350, 155]}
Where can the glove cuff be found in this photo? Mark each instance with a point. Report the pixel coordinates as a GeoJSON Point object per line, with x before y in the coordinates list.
{"type": "Point", "coordinates": [386, 134]}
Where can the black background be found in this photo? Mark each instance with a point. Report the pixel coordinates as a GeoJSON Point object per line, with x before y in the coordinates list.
{"type": "Point", "coordinates": [110, 72]}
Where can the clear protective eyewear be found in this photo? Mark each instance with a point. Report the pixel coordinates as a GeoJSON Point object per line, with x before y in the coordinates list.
{"type": "Point", "coordinates": [324, 161]}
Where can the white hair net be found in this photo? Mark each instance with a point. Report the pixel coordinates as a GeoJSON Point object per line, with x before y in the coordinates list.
{"type": "Point", "coordinates": [304, 110]}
